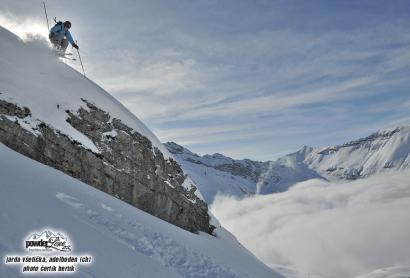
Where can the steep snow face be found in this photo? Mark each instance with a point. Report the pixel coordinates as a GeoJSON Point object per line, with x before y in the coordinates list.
{"type": "Point", "coordinates": [123, 240]}
{"type": "Point", "coordinates": [285, 172]}
{"type": "Point", "coordinates": [383, 150]}
{"type": "Point", "coordinates": [380, 152]}
{"type": "Point", "coordinates": [40, 81]}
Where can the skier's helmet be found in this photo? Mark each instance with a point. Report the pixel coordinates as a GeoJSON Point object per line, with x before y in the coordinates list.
{"type": "Point", "coordinates": [67, 24]}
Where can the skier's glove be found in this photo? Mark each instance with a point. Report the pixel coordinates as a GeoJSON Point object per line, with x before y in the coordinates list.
{"type": "Point", "coordinates": [75, 45]}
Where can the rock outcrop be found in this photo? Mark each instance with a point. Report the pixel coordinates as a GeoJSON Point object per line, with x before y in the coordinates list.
{"type": "Point", "coordinates": [127, 165]}
{"type": "Point", "coordinates": [245, 168]}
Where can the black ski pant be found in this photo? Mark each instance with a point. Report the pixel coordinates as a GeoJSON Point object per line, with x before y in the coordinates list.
{"type": "Point", "coordinates": [59, 44]}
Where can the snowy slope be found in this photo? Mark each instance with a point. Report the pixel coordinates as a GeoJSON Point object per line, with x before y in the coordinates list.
{"type": "Point", "coordinates": [218, 174]}
{"type": "Point", "coordinates": [221, 174]}
{"type": "Point", "coordinates": [212, 180]}
{"type": "Point", "coordinates": [382, 151]}
{"type": "Point", "coordinates": [57, 88]}
{"type": "Point", "coordinates": [285, 172]}
{"type": "Point", "coordinates": [123, 240]}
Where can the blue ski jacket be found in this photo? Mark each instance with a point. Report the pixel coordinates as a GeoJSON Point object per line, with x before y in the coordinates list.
{"type": "Point", "coordinates": [59, 32]}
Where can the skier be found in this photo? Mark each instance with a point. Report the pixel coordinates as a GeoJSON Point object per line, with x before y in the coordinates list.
{"type": "Point", "coordinates": [60, 36]}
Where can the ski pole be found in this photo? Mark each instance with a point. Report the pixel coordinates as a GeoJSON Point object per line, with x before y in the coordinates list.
{"type": "Point", "coordinates": [45, 11]}
{"type": "Point", "coordinates": [81, 62]}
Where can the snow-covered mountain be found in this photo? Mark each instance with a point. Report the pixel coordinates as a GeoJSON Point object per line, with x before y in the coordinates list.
{"type": "Point", "coordinates": [53, 117]}
{"type": "Point", "coordinates": [379, 152]}
{"type": "Point", "coordinates": [45, 235]}
{"type": "Point", "coordinates": [382, 151]}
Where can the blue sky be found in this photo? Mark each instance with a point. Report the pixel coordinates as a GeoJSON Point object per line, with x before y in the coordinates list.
{"type": "Point", "coordinates": [254, 79]}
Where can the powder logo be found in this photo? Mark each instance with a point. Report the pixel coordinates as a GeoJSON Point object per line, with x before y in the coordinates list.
{"type": "Point", "coordinates": [53, 261]}
{"type": "Point", "coordinates": [48, 241]}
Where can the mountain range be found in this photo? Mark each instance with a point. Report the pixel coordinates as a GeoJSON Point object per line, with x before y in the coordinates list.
{"type": "Point", "coordinates": [383, 151]}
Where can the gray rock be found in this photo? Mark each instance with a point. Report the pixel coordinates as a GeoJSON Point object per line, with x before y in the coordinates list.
{"type": "Point", "coordinates": [127, 167]}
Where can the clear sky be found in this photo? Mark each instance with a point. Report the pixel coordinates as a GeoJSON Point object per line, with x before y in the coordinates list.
{"type": "Point", "coordinates": [254, 79]}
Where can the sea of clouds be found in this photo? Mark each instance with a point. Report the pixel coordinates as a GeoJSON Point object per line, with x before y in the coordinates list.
{"type": "Point", "coordinates": [325, 229]}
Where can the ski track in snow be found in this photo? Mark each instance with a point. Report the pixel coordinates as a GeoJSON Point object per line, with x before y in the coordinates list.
{"type": "Point", "coordinates": [150, 243]}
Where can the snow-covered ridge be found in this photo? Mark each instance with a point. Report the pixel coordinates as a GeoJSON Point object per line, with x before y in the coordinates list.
{"type": "Point", "coordinates": [382, 135]}
{"type": "Point", "coordinates": [381, 151]}
{"type": "Point", "coordinates": [217, 173]}
{"type": "Point", "coordinates": [214, 160]}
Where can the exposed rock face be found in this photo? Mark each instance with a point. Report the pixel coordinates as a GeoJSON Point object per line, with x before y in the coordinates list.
{"type": "Point", "coordinates": [366, 142]}
{"type": "Point", "coordinates": [127, 167]}
{"type": "Point", "coordinates": [245, 168]}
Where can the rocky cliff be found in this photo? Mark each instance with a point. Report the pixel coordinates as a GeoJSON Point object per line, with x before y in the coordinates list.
{"type": "Point", "coordinates": [53, 114]}
{"type": "Point", "coordinates": [127, 166]}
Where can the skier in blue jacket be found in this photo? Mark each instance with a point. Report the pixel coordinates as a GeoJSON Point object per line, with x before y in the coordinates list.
{"type": "Point", "coordinates": [60, 36]}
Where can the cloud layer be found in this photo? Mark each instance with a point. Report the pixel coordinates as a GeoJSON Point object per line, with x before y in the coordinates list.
{"type": "Point", "coordinates": [320, 228]}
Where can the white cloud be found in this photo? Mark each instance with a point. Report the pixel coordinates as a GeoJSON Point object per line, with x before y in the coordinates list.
{"type": "Point", "coordinates": [159, 77]}
{"type": "Point", "coordinates": [280, 101]}
{"type": "Point", "coordinates": [333, 230]}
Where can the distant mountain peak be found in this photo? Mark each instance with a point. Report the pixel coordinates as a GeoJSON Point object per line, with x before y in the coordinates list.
{"type": "Point", "coordinates": [385, 134]}
{"type": "Point", "coordinates": [384, 150]}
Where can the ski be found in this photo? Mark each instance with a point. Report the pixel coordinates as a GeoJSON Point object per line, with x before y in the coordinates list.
{"type": "Point", "coordinates": [68, 58]}
{"type": "Point", "coordinates": [62, 55]}
{"type": "Point", "coordinates": [59, 53]}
